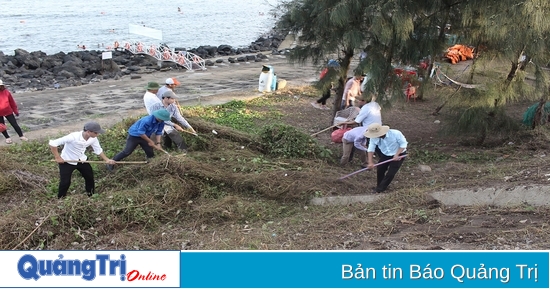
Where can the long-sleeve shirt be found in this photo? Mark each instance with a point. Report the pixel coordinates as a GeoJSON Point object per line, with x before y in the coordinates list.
{"type": "Point", "coordinates": [369, 114]}
{"type": "Point", "coordinates": [390, 144]}
{"type": "Point", "coordinates": [149, 99]}
{"type": "Point", "coordinates": [7, 103]}
{"type": "Point", "coordinates": [74, 146]}
{"type": "Point", "coordinates": [161, 91]}
{"type": "Point", "coordinates": [174, 112]}
{"type": "Point", "coordinates": [146, 125]}
{"type": "Point", "coordinates": [357, 136]}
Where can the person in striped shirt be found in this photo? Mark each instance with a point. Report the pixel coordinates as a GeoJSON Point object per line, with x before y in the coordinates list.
{"type": "Point", "coordinates": [172, 130]}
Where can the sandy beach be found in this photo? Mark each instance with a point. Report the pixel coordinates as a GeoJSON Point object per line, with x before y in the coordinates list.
{"type": "Point", "coordinates": [53, 112]}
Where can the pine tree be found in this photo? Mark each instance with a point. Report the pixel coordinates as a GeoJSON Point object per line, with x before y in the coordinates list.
{"type": "Point", "coordinates": [404, 31]}
{"type": "Point", "coordinates": [516, 30]}
{"type": "Point", "coordinates": [325, 28]}
{"type": "Point", "coordinates": [394, 31]}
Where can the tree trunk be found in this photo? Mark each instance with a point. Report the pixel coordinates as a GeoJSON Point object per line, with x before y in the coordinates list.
{"type": "Point", "coordinates": [338, 97]}
{"type": "Point", "coordinates": [512, 73]}
{"type": "Point", "coordinates": [515, 67]}
{"type": "Point", "coordinates": [523, 64]}
{"type": "Point", "coordinates": [474, 61]}
{"type": "Point", "coordinates": [537, 119]}
{"type": "Point", "coordinates": [344, 67]}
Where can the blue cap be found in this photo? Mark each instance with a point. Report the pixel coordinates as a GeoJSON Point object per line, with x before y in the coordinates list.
{"type": "Point", "coordinates": [162, 114]}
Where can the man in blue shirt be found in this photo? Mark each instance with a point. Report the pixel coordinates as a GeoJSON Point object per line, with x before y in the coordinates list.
{"type": "Point", "coordinates": [392, 145]}
{"type": "Point", "coordinates": [141, 133]}
{"type": "Point", "coordinates": [369, 113]}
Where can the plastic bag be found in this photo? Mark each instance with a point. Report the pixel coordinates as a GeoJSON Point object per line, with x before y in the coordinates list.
{"type": "Point", "coordinates": [337, 135]}
{"type": "Point", "coordinates": [3, 127]}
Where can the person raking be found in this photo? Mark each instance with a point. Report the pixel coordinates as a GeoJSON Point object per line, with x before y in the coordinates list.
{"type": "Point", "coordinates": [74, 146]}
{"type": "Point", "coordinates": [393, 146]}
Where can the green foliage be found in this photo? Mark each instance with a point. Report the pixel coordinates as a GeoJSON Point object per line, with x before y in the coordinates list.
{"type": "Point", "coordinates": [52, 188]}
{"type": "Point", "coordinates": [285, 141]}
{"type": "Point", "coordinates": [427, 156]}
{"type": "Point", "coordinates": [8, 184]}
{"type": "Point", "coordinates": [234, 114]}
{"type": "Point", "coordinates": [511, 27]}
{"type": "Point", "coordinates": [214, 191]}
{"type": "Point", "coordinates": [481, 123]}
{"type": "Point", "coordinates": [32, 152]}
{"type": "Point", "coordinates": [421, 215]}
{"type": "Point", "coordinates": [405, 31]}
{"type": "Point", "coordinates": [135, 208]}
{"type": "Point", "coordinates": [79, 214]}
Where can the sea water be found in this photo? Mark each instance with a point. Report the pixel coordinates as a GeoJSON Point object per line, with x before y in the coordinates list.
{"type": "Point", "coordinates": [62, 25]}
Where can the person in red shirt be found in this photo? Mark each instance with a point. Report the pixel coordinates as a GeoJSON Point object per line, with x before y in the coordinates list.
{"type": "Point", "coordinates": [8, 110]}
{"type": "Point", "coordinates": [321, 102]}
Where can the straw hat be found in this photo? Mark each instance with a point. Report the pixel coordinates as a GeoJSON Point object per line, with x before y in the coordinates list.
{"type": "Point", "coordinates": [376, 130]}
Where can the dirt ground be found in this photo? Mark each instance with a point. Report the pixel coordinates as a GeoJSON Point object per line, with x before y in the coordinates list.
{"type": "Point", "coordinates": [404, 218]}
{"type": "Point", "coordinates": [49, 112]}
{"type": "Point", "coordinates": [517, 163]}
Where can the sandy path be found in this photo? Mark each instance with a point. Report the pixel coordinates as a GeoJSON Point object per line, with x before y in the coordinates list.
{"type": "Point", "coordinates": [52, 112]}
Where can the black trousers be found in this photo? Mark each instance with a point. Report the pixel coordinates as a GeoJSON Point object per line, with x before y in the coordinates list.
{"type": "Point", "coordinates": [65, 173]}
{"type": "Point", "coordinates": [131, 144]}
{"type": "Point", "coordinates": [386, 172]}
{"type": "Point", "coordinates": [326, 95]}
{"type": "Point", "coordinates": [13, 122]}
{"type": "Point", "coordinates": [174, 137]}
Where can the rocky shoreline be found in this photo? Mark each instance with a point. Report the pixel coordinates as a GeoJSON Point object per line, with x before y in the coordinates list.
{"type": "Point", "coordinates": [35, 71]}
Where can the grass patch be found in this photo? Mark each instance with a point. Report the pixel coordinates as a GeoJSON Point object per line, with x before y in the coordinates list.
{"type": "Point", "coordinates": [248, 187]}
{"type": "Point", "coordinates": [234, 114]}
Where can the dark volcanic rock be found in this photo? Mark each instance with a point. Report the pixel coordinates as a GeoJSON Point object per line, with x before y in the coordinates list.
{"type": "Point", "coordinates": [38, 71]}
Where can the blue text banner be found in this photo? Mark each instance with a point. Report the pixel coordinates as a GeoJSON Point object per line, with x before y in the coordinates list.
{"type": "Point", "coordinates": [364, 269]}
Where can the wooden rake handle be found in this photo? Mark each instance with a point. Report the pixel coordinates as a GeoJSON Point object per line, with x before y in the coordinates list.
{"type": "Point", "coordinates": [364, 169]}
{"type": "Point", "coordinates": [100, 162]}
{"type": "Point", "coordinates": [333, 126]}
